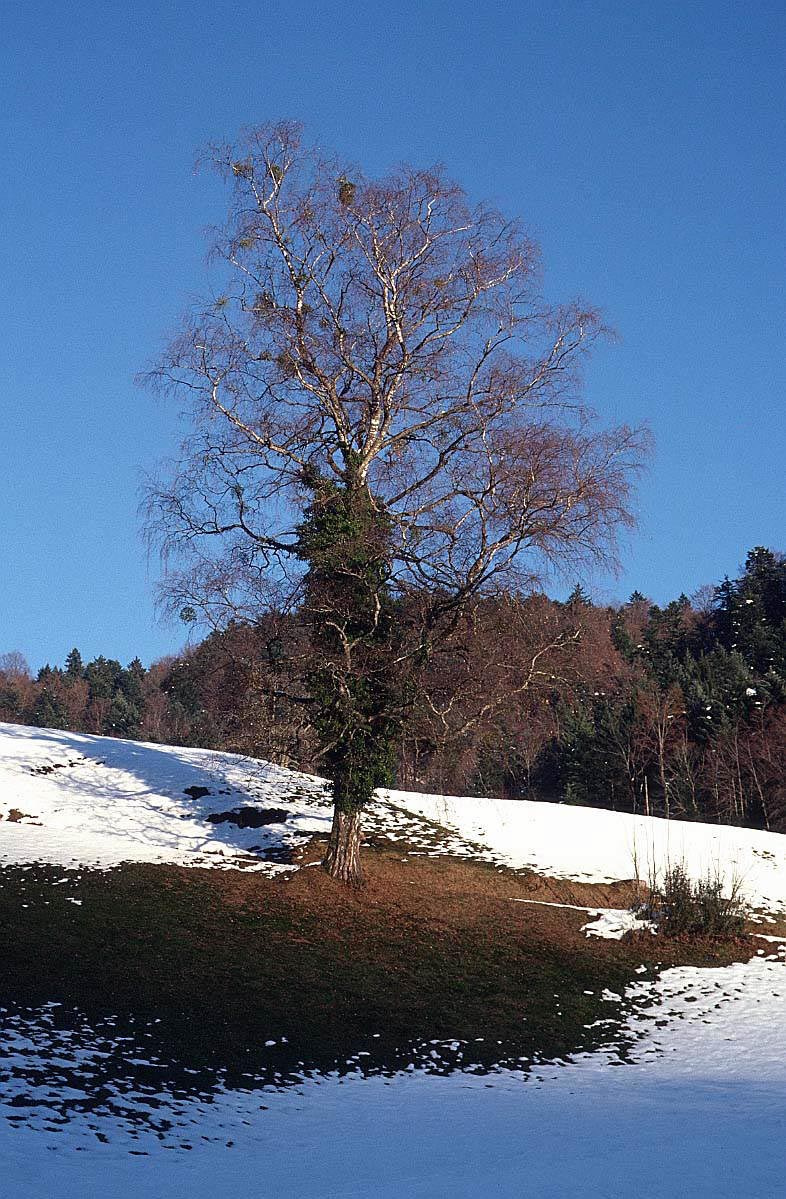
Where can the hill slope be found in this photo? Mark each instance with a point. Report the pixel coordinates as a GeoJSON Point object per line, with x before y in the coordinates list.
{"type": "Point", "coordinates": [208, 1015]}
{"type": "Point", "coordinates": [100, 801]}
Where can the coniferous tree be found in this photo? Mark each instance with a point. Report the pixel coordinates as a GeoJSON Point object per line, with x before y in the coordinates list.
{"type": "Point", "coordinates": [74, 667]}
{"type": "Point", "coordinates": [49, 712]}
{"type": "Point", "coordinates": [578, 598]}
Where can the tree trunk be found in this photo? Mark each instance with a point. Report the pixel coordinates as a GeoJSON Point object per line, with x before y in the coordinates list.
{"type": "Point", "coordinates": [342, 860]}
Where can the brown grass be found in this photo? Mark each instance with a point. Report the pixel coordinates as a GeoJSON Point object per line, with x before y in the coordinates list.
{"type": "Point", "coordinates": [430, 948]}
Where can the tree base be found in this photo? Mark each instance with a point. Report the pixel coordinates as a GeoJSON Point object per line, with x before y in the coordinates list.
{"type": "Point", "coordinates": [342, 860]}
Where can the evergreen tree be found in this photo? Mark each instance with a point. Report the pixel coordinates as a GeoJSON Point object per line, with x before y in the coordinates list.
{"type": "Point", "coordinates": [49, 711]}
{"type": "Point", "coordinates": [715, 687]}
{"type": "Point", "coordinates": [124, 716]}
{"type": "Point", "coordinates": [74, 667]}
{"type": "Point", "coordinates": [751, 613]}
{"type": "Point", "coordinates": [103, 675]}
{"type": "Point", "coordinates": [578, 598]}
{"type": "Point", "coordinates": [130, 683]}
{"type": "Point", "coordinates": [621, 638]}
{"type": "Point", "coordinates": [668, 640]}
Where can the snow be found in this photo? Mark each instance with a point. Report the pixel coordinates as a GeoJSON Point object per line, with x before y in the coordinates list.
{"type": "Point", "coordinates": [599, 846]}
{"type": "Point", "coordinates": [99, 801]}
{"type": "Point", "coordinates": [697, 1110]}
{"type": "Point", "coordinates": [612, 924]}
{"type": "Point", "coordinates": [691, 1102]}
{"type": "Point", "coordinates": [609, 923]}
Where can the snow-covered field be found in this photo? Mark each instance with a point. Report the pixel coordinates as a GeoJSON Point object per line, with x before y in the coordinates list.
{"type": "Point", "coordinates": [97, 802]}
{"type": "Point", "coordinates": [697, 1108]}
{"type": "Point", "coordinates": [699, 1111]}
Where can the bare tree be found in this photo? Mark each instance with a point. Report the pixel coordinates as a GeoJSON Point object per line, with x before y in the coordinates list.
{"type": "Point", "coordinates": [14, 665]}
{"type": "Point", "coordinates": [386, 421]}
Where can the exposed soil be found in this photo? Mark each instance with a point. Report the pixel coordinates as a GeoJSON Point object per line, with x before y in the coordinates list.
{"type": "Point", "coordinates": [196, 792]}
{"type": "Point", "coordinates": [250, 817]}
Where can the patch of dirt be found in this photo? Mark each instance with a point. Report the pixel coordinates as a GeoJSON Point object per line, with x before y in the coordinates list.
{"type": "Point", "coordinates": [250, 817]}
{"type": "Point", "coordinates": [465, 876]}
{"type": "Point", "coordinates": [452, 892]}
{"type": "Point", "coordinates": [50, 767]}
{"type": "Point", "coordinates": [196, 792]}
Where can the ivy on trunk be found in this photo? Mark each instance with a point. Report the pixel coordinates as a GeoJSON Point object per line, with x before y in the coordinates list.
{"type": "Point", "coordinates": [356, 711]}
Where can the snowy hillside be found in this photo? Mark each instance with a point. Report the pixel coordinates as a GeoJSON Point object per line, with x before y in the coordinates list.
{"type": "Point", "coordinates": [690, 1102]}
{"type": "Point", "coordinates": [698, 1112]}
{"type": "Point", "coordinates": [70, 800]}
{"type": "Point", "coordinates": [594, 845]}
{"type": "Point", "coordinates": [97, 801]}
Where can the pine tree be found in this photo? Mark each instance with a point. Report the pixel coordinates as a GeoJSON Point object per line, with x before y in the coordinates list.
{"type": "Point", "coordinates": [578, 598]}
{"type": "Point", "coordinates": [750, 613]}
{"type": "Point", "coordinates": [74, 666]}
{"type": "Point", "coordinates": [103, 675]}
{"type": "Point", "coordinates": [49, 711]}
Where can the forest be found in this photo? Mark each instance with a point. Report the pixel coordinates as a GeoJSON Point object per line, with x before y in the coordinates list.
{"type": "Point", "coordinates": [673, 711]}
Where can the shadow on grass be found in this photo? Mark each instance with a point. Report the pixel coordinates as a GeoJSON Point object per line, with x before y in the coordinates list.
{"type": "Point", "coordinates": [162, 987]}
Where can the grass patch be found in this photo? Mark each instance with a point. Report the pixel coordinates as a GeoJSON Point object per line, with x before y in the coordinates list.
{"type": "Point", "coordinates": [211, 965]}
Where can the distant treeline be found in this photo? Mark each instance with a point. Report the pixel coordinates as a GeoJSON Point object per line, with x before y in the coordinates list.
{"type": "Point", "coordinates": [672, 711]}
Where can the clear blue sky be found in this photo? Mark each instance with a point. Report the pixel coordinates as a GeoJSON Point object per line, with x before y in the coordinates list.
{"type": "Point", "coordinates": [643, 145]}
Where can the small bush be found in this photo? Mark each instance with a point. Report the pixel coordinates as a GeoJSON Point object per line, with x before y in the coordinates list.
{"type": "Point", "coordinates": [682, 906]}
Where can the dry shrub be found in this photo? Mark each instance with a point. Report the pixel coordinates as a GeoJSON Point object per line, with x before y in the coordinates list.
{"type": "Point", "coordinates": [683, 906]}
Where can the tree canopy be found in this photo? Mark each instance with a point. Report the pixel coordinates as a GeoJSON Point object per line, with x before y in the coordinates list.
{"type": "Point", "coordinates": [382, 362]}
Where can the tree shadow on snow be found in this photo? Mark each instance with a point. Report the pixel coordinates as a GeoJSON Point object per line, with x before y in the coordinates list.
{"type": "Point", "coordinates": [162, 797]}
